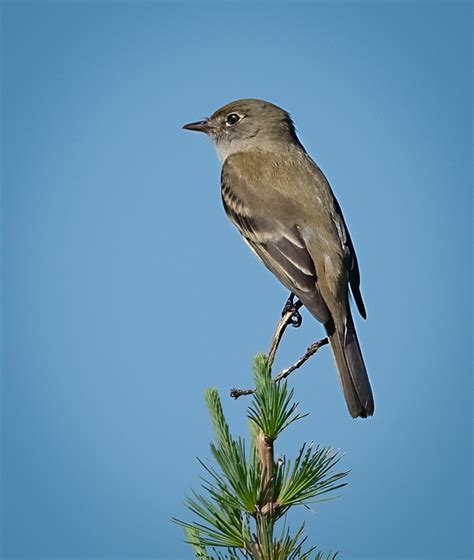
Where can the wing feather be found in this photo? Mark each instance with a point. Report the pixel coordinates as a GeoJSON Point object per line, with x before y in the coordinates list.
{"type": "Point", "coordinates": [280, 247]}
{"type": "Point", "coordinates": [350, 259]}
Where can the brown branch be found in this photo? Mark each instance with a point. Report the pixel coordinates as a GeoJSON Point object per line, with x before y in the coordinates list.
{"type": "Point", "coordinates": [284, 373]}
{"type": "Point", "coordinates": [267, 509]}
{"type": "Point", "coordinates": [236, 393]}
{"type": "Point", "coordinates": [306, 356]}
{"type": "Point", "coordinates": [264, 447]}
{"type": "Point", "coordinates": [286, 319]}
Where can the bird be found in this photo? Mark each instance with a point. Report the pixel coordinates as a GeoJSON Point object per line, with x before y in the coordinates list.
{"type": "Point", "coordinates": [284, 208]}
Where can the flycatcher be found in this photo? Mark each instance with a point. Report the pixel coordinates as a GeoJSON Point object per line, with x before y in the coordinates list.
{"type": "Point", "coordinates": [283, 206]}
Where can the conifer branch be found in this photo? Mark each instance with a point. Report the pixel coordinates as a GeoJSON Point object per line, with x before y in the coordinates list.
{"type": "Point", "coordinates": [246, 494]}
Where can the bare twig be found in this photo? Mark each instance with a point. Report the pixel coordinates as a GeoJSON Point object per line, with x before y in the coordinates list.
{"type": "Point", "coordinates": [306, 356]}
{"type": "Point", "coordinates": [284, 373]}
{"type": "Point", "coordinates": [286, 319]}
{"type": "Point", "coordinates": [236, 393]}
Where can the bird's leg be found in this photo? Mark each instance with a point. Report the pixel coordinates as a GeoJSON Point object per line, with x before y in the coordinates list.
{"type": "Point", "coordinates": [295, 319]}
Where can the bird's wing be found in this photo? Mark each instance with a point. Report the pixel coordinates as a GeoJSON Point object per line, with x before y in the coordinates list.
{"type": "Point", "coordinates": [350, 258]}
{"type": "Point", "coordinates": [279, 246]}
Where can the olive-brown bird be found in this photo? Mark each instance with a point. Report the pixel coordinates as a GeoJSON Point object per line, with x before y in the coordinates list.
{"type": "Point", "coordinates": [283, 206]}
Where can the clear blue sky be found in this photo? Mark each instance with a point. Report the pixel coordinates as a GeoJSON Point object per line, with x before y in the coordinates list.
{"type": "Point", "coordinates": [127, 293]}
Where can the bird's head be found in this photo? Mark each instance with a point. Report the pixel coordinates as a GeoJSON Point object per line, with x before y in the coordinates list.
{"type": "Point", "coordinates": [246, 124]}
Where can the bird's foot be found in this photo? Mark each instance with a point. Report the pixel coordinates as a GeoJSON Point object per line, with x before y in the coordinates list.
{"type": "Point", "coordinates": [295, 319]}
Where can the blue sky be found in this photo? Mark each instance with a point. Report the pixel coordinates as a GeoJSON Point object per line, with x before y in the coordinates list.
{"type": "Point", "coordinates": [126, 293]}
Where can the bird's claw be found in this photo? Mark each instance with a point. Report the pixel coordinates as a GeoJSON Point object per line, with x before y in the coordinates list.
{"type": "Point", "coordinates": [295, 319]}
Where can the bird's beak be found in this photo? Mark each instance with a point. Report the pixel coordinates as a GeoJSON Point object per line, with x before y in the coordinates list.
{"type": "Point", "coordinates": [199, 126]}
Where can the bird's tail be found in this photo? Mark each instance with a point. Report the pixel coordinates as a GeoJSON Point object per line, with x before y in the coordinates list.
{"type": "Point", "coordinates": [351, 369]}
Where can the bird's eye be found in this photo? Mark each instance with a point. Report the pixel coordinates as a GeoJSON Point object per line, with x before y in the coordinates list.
{"type": "Point", "coordinates": [232, 118]}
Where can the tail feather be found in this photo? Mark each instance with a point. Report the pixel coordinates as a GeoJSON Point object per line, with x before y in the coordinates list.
{"type": "Point", "coordinates": [351, 369]}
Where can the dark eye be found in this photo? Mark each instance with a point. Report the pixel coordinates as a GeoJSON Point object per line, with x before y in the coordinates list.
{"type": "Point", "coordinates": [232, 118]}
